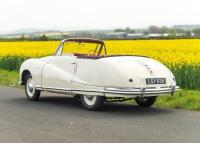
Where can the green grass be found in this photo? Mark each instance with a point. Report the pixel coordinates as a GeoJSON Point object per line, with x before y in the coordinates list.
{"type": "Point", "coordinates": [8, 77]}
{"type": "Point", "coordinates": [185, 99]}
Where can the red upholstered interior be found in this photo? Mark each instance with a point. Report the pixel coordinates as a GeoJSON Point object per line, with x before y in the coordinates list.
{"type": "Point", "coordinates": [86, 56]}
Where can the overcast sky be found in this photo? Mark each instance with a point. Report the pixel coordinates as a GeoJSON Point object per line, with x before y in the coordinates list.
{"type": "Point", "coordinates": [93, 14]}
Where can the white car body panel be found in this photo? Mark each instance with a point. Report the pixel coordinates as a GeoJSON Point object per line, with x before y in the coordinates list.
{"type": "Point", "coordinates": [106, 76]}
{"type": "Point", "coordinates": [116, 72]}
{"type": "Point", "coordinates": [59, 70]}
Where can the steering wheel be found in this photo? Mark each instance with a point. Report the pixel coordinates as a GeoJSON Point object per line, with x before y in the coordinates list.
{"type": "Point", "coordinates": [88, 53]}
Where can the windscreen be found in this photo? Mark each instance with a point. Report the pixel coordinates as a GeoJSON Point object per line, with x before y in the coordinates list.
{"type": "Point", "coordinates": [82, 48]}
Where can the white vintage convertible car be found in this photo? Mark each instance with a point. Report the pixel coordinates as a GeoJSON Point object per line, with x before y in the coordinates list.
{"type": "Point", "coordinates": [96, 77]}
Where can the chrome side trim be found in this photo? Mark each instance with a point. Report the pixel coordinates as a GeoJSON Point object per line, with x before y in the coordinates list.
{"type": "Point", "coordinates": [63, 90]}
{"type": "Point", "coordinates": [134, 91]}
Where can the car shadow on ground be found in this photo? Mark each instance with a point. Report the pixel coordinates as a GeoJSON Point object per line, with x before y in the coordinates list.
{"type": "Point", "coordinates": [70, 104]}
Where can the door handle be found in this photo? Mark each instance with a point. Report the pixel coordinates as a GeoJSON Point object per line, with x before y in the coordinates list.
{"type": "Point", "coordinates": [72, 63]}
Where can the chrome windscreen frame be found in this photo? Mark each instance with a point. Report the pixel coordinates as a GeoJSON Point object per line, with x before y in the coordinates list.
{"type": "Point", "coordinates": [82, 40]}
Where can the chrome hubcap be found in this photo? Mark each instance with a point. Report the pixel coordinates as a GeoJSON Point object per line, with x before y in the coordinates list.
{"type": "Point", "coordinates": [30, 87]}
{"type": "Point", "coordinates": [90, 100]}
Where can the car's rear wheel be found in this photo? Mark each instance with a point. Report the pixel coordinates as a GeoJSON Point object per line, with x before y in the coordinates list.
{"type": "Point", "coordinates": [145, 101]}
{"type": "Point", "coordinates": [31, 92]}
{"type": "Point", "coordinates": [92, 102]}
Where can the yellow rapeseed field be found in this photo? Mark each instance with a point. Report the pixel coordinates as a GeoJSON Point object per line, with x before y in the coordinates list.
{"type": "Point", "coordinates": [181, 56]}
{"type": "Point", "coordinates": [166, 51]}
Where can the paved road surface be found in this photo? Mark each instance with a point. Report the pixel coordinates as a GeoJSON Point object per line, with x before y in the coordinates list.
{"type": "Point", "coordinates": [58, 119]}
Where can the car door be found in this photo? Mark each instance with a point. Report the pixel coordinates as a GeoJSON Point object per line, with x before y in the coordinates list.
{"type": "Point", "coordinates": [58, 72]}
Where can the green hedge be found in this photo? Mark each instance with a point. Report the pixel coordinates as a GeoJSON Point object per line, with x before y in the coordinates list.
{"type": "Point", "coordinates": [187, 76]}
{"type": "Point", "coordinates": [11, 63]}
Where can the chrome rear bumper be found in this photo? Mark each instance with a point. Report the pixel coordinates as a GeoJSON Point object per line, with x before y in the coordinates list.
{"type": "Point", "coordinates": [143, 91]}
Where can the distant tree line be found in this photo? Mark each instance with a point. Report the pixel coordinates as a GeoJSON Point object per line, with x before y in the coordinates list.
{"type": "Point", "coordinates": [172, 33]}
{"type": "Point", "coordinates": [194, 33]}
{"type": "Point", "coordinates": [127, 30]}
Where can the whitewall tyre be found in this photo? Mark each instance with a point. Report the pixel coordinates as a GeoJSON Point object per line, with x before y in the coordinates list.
{"type": "Point", "coordinates": [31, 92]}
{"type": "Point", "coordinates": [145, 101]}
{"type": "Point", "coordinates": [92, 102]}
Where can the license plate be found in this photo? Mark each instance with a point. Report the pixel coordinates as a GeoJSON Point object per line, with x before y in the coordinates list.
{"type": "Point", "coordinates": [155, 81]}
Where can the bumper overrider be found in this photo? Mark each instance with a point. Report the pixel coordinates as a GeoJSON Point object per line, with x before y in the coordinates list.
{"type": "Point", "coordinates": [143, 91]}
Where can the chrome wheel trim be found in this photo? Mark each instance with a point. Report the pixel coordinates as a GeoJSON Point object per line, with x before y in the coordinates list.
{"type": "Point", "coordinates": [90, 100]}
{"type": "Point", "coordinates": [30, 87]}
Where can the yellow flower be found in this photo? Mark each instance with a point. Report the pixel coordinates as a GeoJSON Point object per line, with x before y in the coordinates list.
{"type": "Point", "coordinates": [166, 51]}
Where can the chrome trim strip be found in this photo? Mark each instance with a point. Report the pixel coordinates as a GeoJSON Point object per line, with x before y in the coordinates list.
{"type": "Point", "coordinates": [136, 91]}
